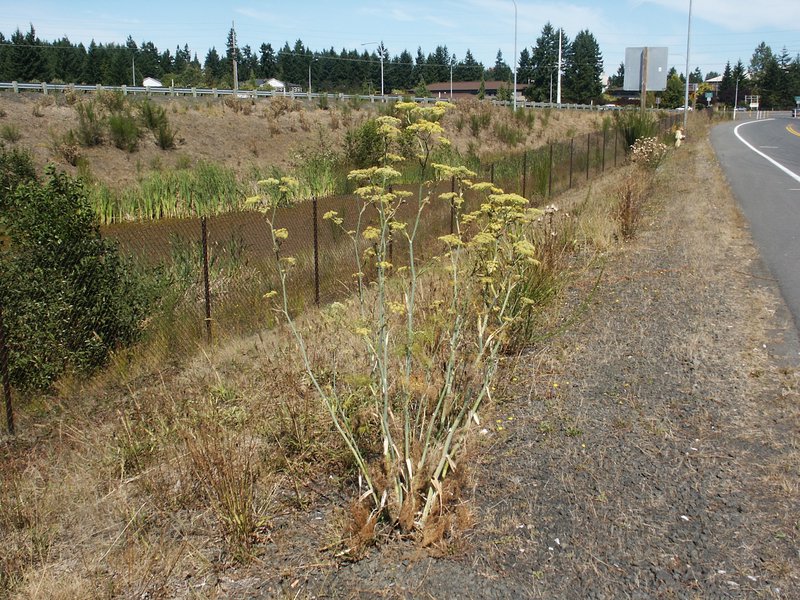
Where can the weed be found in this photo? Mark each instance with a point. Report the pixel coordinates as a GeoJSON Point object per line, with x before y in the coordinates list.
{"type": "Point", "coordinates": [635, 124]}
{"type": "Point", "coordinates": [10, 133]}
{"type": "Point", "coordinates": [124, 131]}
{"type": "Point", "coordinates": [66, 147]}
{"type": "Point", "coordinates": [630, 196]}
{"type": "Point", "coordinates": [509, 134]}
{"type": "Point", "coordinates": [111, 101]}
{"type": "Point", "coordinates": [90, 128]}
{"type": "Point", "coordinates": [225, 465]}
{"type": "Point", "coordinates": [165, 136]}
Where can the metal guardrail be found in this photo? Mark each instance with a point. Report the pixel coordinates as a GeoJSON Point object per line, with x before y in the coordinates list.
{"type": "Point", "coordinates": [195, 92]}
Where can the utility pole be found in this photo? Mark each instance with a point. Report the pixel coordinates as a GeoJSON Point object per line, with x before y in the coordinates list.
{"type": "Point", "coordinates": [686, 96]}
{"type": "Point", "coordinates": [558, 91]}
{"type": "Point", "coordinates": [516, 58]}
{"type": "Point", "coordinates": [234, 53]}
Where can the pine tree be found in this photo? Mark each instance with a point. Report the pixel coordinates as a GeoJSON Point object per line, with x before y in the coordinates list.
{"type": "Point", "coordinates": [545, 63]}
{"type": "Point", "coordinates": [584, 69]}
{"type": "Point", "coordinates": [267, 64]}
{"type": "Point", "coordinates": [501, 71]}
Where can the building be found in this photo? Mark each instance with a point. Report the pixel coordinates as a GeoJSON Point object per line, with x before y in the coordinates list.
{"type": "Point", "coordinates": [279, 86]}
{"type": "Point", "coordinates": [151, 82]}
{"type": "Point", "coordinates": [466, 89]}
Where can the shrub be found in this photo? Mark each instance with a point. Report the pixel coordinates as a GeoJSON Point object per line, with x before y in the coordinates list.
{"type": "Point", "coordinates": [648, 152]}
{"type": "Point", "coordinates": [16, 167]}
{"type": "Point", "coordinates": [364, 145]}
{"type": "Point", "coordinates": [10, 133]}
{"type": "Point", "coordinates": [155, 119]}
{"type": "Point", "coordinates": [635, 124]}
{"type": "Point", "coordinates": [90, 127]}
{"type": "Point", "coordinates": [67, 147]}
{"type": "Point", "coordinates": [124, 131]}
{"type": "Point", "coordinates": [112, 101]}
{"type": "Point", "coordinates": [69, 298]}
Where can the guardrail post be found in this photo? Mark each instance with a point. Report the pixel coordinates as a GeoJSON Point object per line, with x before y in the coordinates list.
{"type": "Point", "coordinates": [44, 88]}
{"type": "Point", "coordinates": [15, 87]}
{"type": "Point", "coordinates": [99, 87]}
{"type": "Point", "coordinates": [124, 90]}
{"type": "Point", "coordinates": [194, 92]}
{"type": "Point", "coordinates": [214, 92]}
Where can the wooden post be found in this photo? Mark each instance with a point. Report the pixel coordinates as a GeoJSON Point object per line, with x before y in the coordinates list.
{"type": "Point", "coordinates": [206, 283]}
{"type": "Point", "coordinates": [605, 133]}
{"type": "Point", "coordinates": [550, 173]}
{"type": "Point", "coordinates": [644, 78]}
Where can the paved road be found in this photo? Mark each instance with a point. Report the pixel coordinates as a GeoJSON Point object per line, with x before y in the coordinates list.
{"type": "Point", "coordinates": [762, 162]}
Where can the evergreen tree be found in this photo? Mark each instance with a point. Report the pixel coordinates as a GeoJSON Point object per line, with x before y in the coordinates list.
{"type": "Point", "coordinates": [212, 68]}
{"type": "Point", "coordinates": [525, 67]}
{"type": "Point", "coordinates": [696, 76]}
{"type": "Point", "coordinates": [267, 64]}
{"type": "Point", "coordinates": [545, 64]}
{"type": "Point", "coordinates": [584, 69]}
{"type": "Point", "coordinates": [727, 87]}
{"type": "Point", "coordinates": [501, 71]}
{"type": "Point", "coordinates": [673, 95]}
{"type": "Point", "coordinates": [468, 69]}
{"type": "Point", "coordinates": [618, 80]}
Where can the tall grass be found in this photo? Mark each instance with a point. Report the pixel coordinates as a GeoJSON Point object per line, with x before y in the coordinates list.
{"type": "Point", "coordinates": [207, 189]}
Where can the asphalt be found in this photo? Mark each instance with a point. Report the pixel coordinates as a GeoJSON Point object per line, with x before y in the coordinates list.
{"type": "Point", "coordinates": [761, 160]}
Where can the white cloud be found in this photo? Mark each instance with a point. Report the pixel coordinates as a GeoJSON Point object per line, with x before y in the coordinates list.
{"type": "Point", "coordinates": [740, 15]}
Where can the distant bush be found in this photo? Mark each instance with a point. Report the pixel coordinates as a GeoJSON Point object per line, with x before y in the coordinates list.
{"type": "Point", "coordinates": [68, 297]}
{"type": "Point", "coordinates": [155, 119]}
{"type": "Point", "coordinates": [10, 133]}
{"type": "Point", "coordinates": [90, 127]}
{"type": "Point", "coordinates": [364, 145]}
{"type": "Point", "coordinates": [124, 131]}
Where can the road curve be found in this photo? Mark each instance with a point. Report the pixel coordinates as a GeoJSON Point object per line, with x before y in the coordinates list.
{"type": "Point", "coordinates": [761, 160]}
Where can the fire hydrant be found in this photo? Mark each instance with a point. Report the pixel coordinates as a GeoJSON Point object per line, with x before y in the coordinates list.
{"type": "Point", "coordinates": [679, 137]}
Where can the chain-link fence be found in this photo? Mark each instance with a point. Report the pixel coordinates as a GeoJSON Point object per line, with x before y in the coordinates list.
{"type": "Point", "coordinates": [212, 272]}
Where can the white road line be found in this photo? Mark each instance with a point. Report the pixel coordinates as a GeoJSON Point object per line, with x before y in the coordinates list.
{"type": "Point", "coordinates": [791, 174]}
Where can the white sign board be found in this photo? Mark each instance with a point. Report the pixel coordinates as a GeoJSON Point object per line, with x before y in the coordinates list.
{"type": "Point", "coordinates": [656, 69]}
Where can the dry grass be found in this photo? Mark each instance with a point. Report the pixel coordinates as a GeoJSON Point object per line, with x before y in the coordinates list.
{"type": "Point", "coordinates": [155, 478]}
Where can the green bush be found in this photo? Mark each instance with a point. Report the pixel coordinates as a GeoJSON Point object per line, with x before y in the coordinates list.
{"type": "Point", "coordinates": [10, 133]}
{"type": "Point", "coordinates": [364, 145]}
{"type": "Point", "coordinates": [69, 299]}
{"type": "Point", "coordinates": [90, 127]}
{"type": "Point", "coordinates": [16, 167]}
{"type": "Point", "coordinates": [635, 124]}
{"type": "Point", "coordinates": [155, 119]}
{"type": "Point", "coordinates": [124, 131]}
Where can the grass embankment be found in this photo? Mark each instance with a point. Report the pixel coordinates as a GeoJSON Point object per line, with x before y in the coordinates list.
{"type": "Point", "coordinates": [153, 474]}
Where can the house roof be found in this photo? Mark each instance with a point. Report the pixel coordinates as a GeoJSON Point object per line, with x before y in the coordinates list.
{"type": "Point", "coordinates": [717, 79]}
{"type": "Point", "coordinates": [463, 86]}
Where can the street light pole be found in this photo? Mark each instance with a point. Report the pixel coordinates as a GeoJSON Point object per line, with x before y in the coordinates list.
{"type": "Point", "coordinates": [515, 55]}
{"type": "Point", "coordinates": [451, 81]}
{"type": "Point", "coordinates": [380, 51]}
{"type": "Point", "coordinates": [736, 99]}
{"type": "Point", "coordinates": [686, 94]}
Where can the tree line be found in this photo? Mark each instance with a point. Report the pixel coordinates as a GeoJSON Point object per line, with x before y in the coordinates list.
{"type": "Point", "coordinates": [26, 57]}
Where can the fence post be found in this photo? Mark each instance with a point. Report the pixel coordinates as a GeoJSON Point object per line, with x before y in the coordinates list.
{"type": "Point", "coordinates": [550, 173]}
{"type": "Point", "coordinates": [5, 375]}
{"type": "Point", "coordinates": [605, 133]}
{"type": "Point", "coordinates": [588, 153]}
{"type": "Point", "coordinates": [316, 249]}
{"type": "Point", "coordinates": [452, 206]}
{"type": "Point", "coordinates": [206, 283]}
{"type": "Point", "coordinates": [524, 173]}
{"type": "Point", "coordinates": [492, 174]}
{"type": "Point", "coordinates": [571, 154]}
{"type": "Point", "coordinates": [616, 145]}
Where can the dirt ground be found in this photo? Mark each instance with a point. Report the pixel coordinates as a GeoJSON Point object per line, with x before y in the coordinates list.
{"type": "Point", "coordinates": [650, 451]}
{"type": "Point", "coordinates": [249, 137]}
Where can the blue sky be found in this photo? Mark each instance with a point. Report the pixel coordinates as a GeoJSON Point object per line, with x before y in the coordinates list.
{"type": "Point", "coordinates": [721, 29]}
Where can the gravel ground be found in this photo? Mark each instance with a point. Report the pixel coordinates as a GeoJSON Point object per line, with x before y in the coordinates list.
{"type": "Point", "coordinates": [652, 452]}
